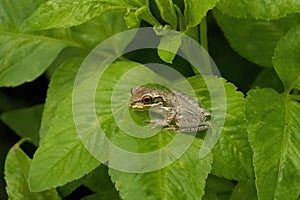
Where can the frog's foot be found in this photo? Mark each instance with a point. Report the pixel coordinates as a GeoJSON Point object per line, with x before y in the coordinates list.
{"type": "Point", "coordinates": [171, 128]}
{"type": "Point", "coordinates": [201, 127]}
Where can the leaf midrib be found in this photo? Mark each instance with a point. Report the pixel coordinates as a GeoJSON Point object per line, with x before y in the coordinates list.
{"type": "Point", "coordinates": [282, 149]}
{"type": "Point", "coordinates": [43, 38]}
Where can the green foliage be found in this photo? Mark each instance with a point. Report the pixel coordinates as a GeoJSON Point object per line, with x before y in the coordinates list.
{"type": "Point", "coordinates": [17, 165]}
{"type": "Point", "coordinates": [265, 10]}
{"type": "Point", "coordinates": [25, 122]}
{"type": "Point", "coordinates": [257, 153]}
{"type": "Point", "coordinates": [166, 183]}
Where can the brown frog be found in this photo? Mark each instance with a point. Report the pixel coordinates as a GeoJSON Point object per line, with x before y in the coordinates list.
{"type": "Point", "coordinates": [172, 109]}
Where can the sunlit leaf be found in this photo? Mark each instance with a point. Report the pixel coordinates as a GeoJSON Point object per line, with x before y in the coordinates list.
{"type": "Point", "coordinates": [286, 59]}
{"type": "Point", "coordinates": [16, 173]}
{"type": "Point", "coordinates": [195, 10]}
{"type": "Point", "coordinates": [262, 9]}
{"type": "Point", "coordinates": [273, 126]}
{"type": "Point", "coordinates": [187, 175]}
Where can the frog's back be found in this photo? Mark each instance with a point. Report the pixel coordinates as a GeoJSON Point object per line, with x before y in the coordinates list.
{"type": "Point", "coordinates": [190, 116]}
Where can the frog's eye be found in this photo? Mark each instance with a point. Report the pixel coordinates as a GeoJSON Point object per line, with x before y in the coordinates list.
{"type": "Point", "coordinates": [147, 99]}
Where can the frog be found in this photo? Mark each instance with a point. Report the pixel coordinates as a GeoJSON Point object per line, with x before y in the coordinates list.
{"type": "Point", "coordinates": [173, 109]}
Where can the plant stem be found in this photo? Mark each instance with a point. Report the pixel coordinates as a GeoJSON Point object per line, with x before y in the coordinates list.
{"type": "Point", "coordinates": [203, 34]}
{"type": "Point", "coordinates": [204, 44]}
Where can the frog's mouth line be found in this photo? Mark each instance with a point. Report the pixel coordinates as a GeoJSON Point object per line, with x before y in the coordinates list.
{"type": "Point", "coordinates": [140, 107]}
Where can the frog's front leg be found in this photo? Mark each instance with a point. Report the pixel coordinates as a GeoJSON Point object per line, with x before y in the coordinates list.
{"type": "Point", "coordinates": [167, 113]}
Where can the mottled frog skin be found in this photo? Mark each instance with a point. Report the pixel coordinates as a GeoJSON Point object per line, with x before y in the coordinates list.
{"type": "Point", "coordinates": [172, 109]}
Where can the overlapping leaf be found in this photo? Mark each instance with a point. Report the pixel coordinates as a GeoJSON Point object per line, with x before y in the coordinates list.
{"type": "Point", "coordinates": [25, 122]}
{"type": "Point", "coordinates": [273, 126]}
{"type": "Point", "coordinates": [262, 9]}
{"type": "Point", "coordinates": [286, 59]}
{"type": "Point", "coordinates": [187, 175]}
{"type": "Point", "coordinates": [232, 155]}
{"type": "Point", "coordinates": [61, 151]}
{"type": "Point", "coordinates": [195, 10]}
{"type": "Point", "coordinates": [62, 14]}
{"type": "Point", "coordinates": [19, 50]}
{"type": "Point", "coordinates": [16, 173]}
{"type": "Point", "coordinates": [255, 39]}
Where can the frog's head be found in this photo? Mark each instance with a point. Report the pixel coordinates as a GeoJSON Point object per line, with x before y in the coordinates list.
{"type": "Point", "coordinates": [144, 97]}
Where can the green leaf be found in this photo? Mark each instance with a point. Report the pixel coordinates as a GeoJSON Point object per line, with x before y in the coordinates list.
{"type": "Point", "coordinates": [16, 173]}
{"type": "Point", "coordinates": [268, 78]}
{"type": "Point", "coordinates": [286, 59]}
{"type": "Point", "coordinates": [187, 175]}
{"type": "Point", "coordinates": [61, 84]}
{"type": "Point", "coordinates": [63, 14]}
{"type": "Point", "coordinates": [168, 47]}
{"type": "Point", "coordinates": [68, 188]}
{"type": "Point", "coordinates": [232, 155]}
{"type": "Point", "coordinates": [19, 50]}
{"type": "Point", "coordinates": [195, 10]}
{"type": "Point", "coordinates": [99, 181]}
{"type": "Point", "coordinates": [14, 12]}
{"type": "Point", "coordinates": [255, 39]}
{"type": "Point", "coordinates": [273, 127]}
{"type": "Point", "coordinates": [93, 32]}
{"type": "Point", "coordinates": [25, 122]}
{"type": "Point", "coordinates": [168, 12]}
{"type": "Point", "coordinates": [263, 9]}
{"type": "Point", "coordinates": [112, 96]}
{"type": "Point", "coordinates": [244, 190]}
{"type": "Point", "coordinates": [61, 157]}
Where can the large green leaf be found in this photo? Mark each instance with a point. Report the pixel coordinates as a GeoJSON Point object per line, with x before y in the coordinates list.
{"type": "Point", "coordinates": [93, 32]}
{"type": "Point", "coordinates": [255, 39]}
{"type": "Point", "coordinates": [184, 179]}
{"type": "Point", "coordinates": [286, 59]}
{"type": "Point", "coordinates": [13, 13]}
{"type": "Point", "coordinates": [21, 51]}
{"type": "Point", "coordinates": [16, 173]}
{"type": "Point", "coordinates": [62, 14]}
{"type": "Point", "coordinates": [261, 9]}
{"type": "Point", "coordinates": [168, 47]}
{"type": "Point", "coordinates": [23, 56]}
{"type": "Point", "coordinates": [61, 150]}
{"type": "Point", "coordinates": [61, 84]}
{"type": "Point", "coordinates": [232, 154]}
{"type": "Point", "coordinates": [195, 10]}
{"type": "Point", "coordinates": [273, 126]}
{"type": "Point", "coordinates": [61, 156]}
{"type": "Point", "coordinates": [112, 96]}
{"type": "Point", "coordinates": [25, 122]}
